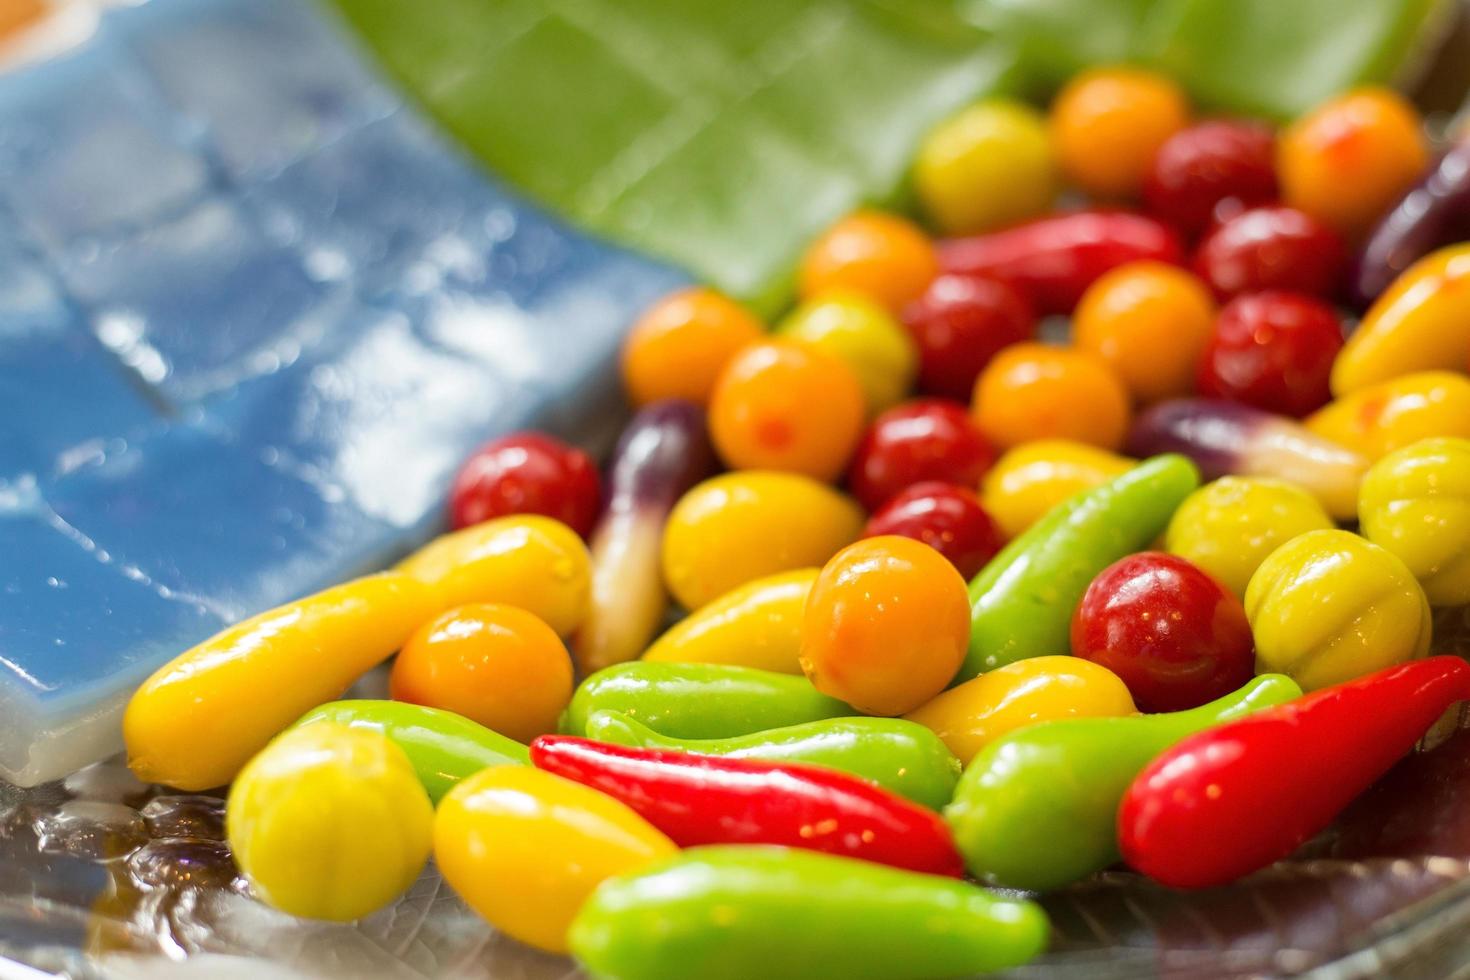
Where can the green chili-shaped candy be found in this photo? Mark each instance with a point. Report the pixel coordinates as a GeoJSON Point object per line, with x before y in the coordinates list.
{"type": "Point", "coordinates": [901, 756]}
{"type": "Point", "coordinates": [442, 746]}
{"type": "Point", "coordinates": [699, 700]}
{"type": "Point", "coordinates": [1021, 603]}
{"type": "Point", "coordinates": [1037, 808]}
{"type": "Point", "coordinates": [776, 913]}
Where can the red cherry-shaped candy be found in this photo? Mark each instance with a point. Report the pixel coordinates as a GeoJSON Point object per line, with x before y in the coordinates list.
{"type": "Point", "coordinates": [1174, 635]}
{"type": "Point", "coordinates": [1273, 350]}
{"type": "Point", "coordinates": [947, 518]}
{"type": "Point", "coordinates": [526, 473]}
{"type": "Point", "coordinates": [959, 324]}
{"type": "Point", "coordinates": [1271, 248]}
{"type": "Point", "coordinates": [1210, 171]}
{"type": "Point", "coordinates": [925, 439]}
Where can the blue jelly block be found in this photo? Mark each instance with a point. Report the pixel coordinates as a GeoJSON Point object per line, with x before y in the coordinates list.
{"type": "Point", "coordinates": [208, 518]}
{"type": "Point", "coordinates": [267, 81]}
{"type": "Point", "coordinates": [200, 301]}
{"type": "Point", "coordinates": [79, 630]}
{"type": "Point", "coordinates": [259, 379]}
{"type": "Point", "coordinates": [377, 419]}
{"type": "Point", "coordinates": [386, 201]}
{"type": "Point", "coordinates": [58, 387]}
{"type": "Point", "coordinates": [86, 150]}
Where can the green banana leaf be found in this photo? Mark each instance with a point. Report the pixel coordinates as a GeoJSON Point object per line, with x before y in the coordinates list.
{"type": "Point", "coordinates": [724, 134]}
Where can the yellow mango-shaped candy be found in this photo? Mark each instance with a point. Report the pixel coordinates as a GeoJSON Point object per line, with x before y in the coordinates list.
{"type": "Point", "coordinates": [1383, 417]}
{"type": "Point", "coordinates": [202, 715]}
{"type": "Point", "coordinates": [534, 563]}
{"type": "Point", "coordinates": [1033, 478]}
{"type": "Point", "coordinates": [1420, 323]}
{"type": "Point", "coordinates": [756, 625]}
{"type": "Point", "coordinates": [329, 822]}
{"type": "Point", "coordinates": [738, 527]}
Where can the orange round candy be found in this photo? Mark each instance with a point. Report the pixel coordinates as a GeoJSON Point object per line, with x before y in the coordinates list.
{"type": "Point", "coordinates": [785, 405]}
{"type": "Point", "coordinates": [886, 625]}
{"type": "Point", "coordinates": [1346, 162]}
{"type": "Point", "coordinates": [680, 344]}
{"type": "Point", "coordinates": [1149, 322]}
{"type": "Point", "coordinates": [1035, 391]}
{"type": "Point", "coordinates": [1107, 124]}
{"type": "Point", "coordinates": [497, 665]}
{"type": "Point", "coordinates": [878, 255]}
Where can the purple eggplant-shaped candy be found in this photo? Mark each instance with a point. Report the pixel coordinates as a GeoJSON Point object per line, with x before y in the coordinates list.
{"type": "Point", "coordinates": [663, 452]}
{"type": "Point", "coordinates": [1433, 214]}
{"type": "Point", "coordinates": [1227, 438]}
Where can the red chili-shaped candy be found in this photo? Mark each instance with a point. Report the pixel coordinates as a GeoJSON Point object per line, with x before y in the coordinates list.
{"type": "Point", "coordinates": [702, 799]}
{"type": "Point", "coordinates": [1053, 260]}
{"type": "Point", "coordinates": [1236, 798]}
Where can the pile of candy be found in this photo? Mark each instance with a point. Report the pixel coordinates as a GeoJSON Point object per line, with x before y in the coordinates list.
{"type": "Point", "coordinates": [1003, 651]}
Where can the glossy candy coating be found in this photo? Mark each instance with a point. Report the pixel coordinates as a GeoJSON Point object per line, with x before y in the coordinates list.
{"type": "Point", "coordinates": [924, 440]}
{"type": "Point", "coordinates": [1174, 635]}
{"type": "Point", "coordinates": [525, 849]}
{"type": "Point", "coordinates": [1392, 414]}
{"type": "Point", "coordinates": [1051, 261]}
{"type": "Point", "coordinates": [1329, 606]}
{"type": "Point", "coordinates": [947, 518]}
{"type": "Point", "coordinates": [1271, 247]}
{"type": "Point", "coordinates": [533, 563]}
{"type": "Point", "coordinates": [900, 756]}
{"type": "Point", "coordinates": [1210, 171]}
{"type": "Point", "coordinates": [783, 405]}
{"type": "Point", "coordinates": [442, 747]}
{"type": "Point", "coordinates": [1432, 215]}
{"type": "Point", "coordinates": [1421, 323]}
{"type": "Point", "coordinates": [699, 800]}
{"type": "Point", "coordinates": [970, 716]}
{"type": "Point", "coordinates": [1108, 123]}
{"type": "Point", "coordinates": [1149, 322]}
{"type": "Point", "coordinates": [1272, 350]}
{"type": "Point", "coordinates": [757, 624]}
{"type": "Point", "coordinates": [663, 451]}
{"type": "Point", "coordinates": [1033, 478]}
{"type": "Point", "coordinates": [1415, 502]}
{"type": "Point", "coordinates": [710, 540]}
{"type": "Point", "coordinates": [526, 473]}
{"type": "Point", "coordinates": [496, 665]}
{"type": "Point", "coordinates": [700, 700]}
{"type": "Point", "coordinates": [329, 822]}
{"type": "Point", "coordinates": [1036, 391]}
{"type": "Point", "coordinates": [1037, 808]}
{"type": "Point", "coordinates": [987, 166]}
{"type": "Point", "coordinates": [1021, 603]}
{"type": "Point", "coordinates": [863, 335]}
{"type": "Point", "coordinates": [959, 324]}
{"type": "Point", "coordinates": [1229, 438]}
{"type": "Point", "coordinates": [202, 715]}
{"type": "Point", "coordinates": [782, 914]}
{"type": "Point", "coordinates": [1347, 161]}
{"type": "Point", "coordinates": [679, 346]}
{"type": "Point", "coordinates": [1228, 801]}
{"type": "Point", "coordinates": [882, 256]}
{"type": "Point", "coordinates": [886, 625]}
{"type": "Point", "coordinates": [1228, 526]}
